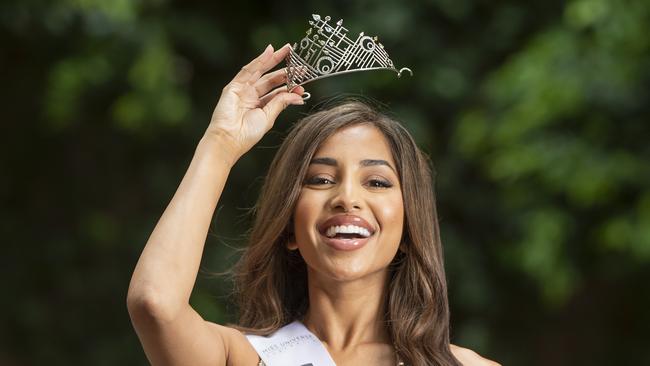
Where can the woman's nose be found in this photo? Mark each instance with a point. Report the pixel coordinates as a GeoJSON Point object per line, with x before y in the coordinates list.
{"type": "Point", "coordinates": [346, 197]}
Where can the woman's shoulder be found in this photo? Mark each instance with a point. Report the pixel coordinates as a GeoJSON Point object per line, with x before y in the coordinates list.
{"type": "Point", "coordinates": [470, 358]}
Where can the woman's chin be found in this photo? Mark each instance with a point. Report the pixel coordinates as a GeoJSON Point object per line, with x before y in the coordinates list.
{"type": "Point", "coordinates": [350, 270]}
{"type": "Point", "coordinates": [334, 264]}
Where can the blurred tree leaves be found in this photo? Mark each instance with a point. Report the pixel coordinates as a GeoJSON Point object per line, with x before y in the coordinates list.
{"type": "Point", "coordinates": [553, 121]}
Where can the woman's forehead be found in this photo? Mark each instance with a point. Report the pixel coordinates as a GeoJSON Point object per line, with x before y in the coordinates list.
{"type": "Point", "coordinates": [356, 142]}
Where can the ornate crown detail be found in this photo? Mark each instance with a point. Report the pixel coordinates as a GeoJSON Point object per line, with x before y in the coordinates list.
{"type": "Point", "coordinates": [326, 51]}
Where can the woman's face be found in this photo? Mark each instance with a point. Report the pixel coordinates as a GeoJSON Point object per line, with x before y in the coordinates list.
{"type": "Point", "coordinates": [349, 217]}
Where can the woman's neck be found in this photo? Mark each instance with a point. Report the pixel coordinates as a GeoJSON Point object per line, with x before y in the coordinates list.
{"type": "Point", "coordinates": [344, 314]}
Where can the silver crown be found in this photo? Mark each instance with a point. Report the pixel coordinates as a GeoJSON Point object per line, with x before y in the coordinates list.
{"type": "Point", "coordinates": [326, 51]}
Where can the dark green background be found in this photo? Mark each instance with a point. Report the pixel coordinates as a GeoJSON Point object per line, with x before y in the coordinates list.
{"type": "Point", "coordinates": [535, 114]}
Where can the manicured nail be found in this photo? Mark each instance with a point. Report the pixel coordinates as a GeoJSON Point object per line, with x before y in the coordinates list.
{"type": "Point", "coordinates": [268, 48]}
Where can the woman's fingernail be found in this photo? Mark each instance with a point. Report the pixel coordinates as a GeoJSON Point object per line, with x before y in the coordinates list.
{"type": "Point", "coordinates": [268, 48]}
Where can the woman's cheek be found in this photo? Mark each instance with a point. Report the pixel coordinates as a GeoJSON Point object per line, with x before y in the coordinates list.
{"type": "Point", "coordinates": [392, 212]}
{"type": "Point", "coordinates": [306, 213]}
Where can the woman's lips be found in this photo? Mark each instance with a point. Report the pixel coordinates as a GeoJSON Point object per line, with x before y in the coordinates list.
{"type": "Point", "coordinates": [346, 244]}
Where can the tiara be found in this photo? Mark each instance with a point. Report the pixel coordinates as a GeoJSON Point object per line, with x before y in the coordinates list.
{"type": "Point", "coordinates": [326, 50]}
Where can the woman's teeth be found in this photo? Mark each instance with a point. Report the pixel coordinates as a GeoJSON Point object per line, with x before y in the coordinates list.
{"type": "Point", "coordinates": [347, 229]}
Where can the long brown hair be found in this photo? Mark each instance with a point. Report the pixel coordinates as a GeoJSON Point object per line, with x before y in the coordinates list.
{"type": "Point", "coordinates": [271, 281]}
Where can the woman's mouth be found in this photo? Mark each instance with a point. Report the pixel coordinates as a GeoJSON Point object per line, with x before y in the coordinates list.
{"type": "Point", "coordinates": [346, 232]}
{"type": "Point", "coordinates": [345, 242]}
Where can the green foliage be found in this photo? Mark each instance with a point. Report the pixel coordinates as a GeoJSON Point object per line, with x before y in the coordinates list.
{"type": "Point", "coordinates": [547, 126]}
{"type": "Point", "coordinates": [533, 112]}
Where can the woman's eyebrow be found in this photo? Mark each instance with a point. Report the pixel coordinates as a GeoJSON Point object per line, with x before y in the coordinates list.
{"type": "Point", "coordinates": [363, 163]}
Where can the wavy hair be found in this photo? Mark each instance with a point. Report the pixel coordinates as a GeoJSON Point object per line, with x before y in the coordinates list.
{"type": "Point", "coordinates": [271, 281]}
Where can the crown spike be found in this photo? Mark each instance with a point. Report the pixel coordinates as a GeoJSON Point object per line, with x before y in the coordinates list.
{"type": "Point", "coordinates": [399, 73]}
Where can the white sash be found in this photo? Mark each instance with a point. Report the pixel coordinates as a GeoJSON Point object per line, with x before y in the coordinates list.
{"type": "Point", "coordinates": [291, 345]}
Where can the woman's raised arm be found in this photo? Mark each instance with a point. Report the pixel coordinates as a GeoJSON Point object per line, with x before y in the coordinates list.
{"type": "Point", "coordinates": [170, 331]}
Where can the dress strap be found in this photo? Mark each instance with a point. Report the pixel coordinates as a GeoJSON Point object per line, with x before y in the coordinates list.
{"type": "Point", "coordinates": [291, 345]}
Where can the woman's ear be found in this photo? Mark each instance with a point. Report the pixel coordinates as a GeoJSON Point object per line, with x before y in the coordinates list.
{"type": "Point", "coordinates": [292, 244]}
{"type": "Point", "coordinates": [403, 244]}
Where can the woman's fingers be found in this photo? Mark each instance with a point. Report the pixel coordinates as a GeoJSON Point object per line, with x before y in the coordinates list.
{"type": "Point", "coordinates": [268, 97]}
{"type": "Point", "coordinates": [261, 64]}
{"type": "Point", "coordinates": [275, 59]}
{"type": "Point", "coordinates": [271, 80]}
{"type": "Point", "coordinates": [246, 72]}
{"type": "Point", "coordinates": [276, 78]}
{"type": "Point", "coordinates": [280, 101]}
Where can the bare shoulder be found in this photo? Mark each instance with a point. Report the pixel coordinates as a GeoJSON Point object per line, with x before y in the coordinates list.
{"type": "Point", "coordinates": [470, 358]}
{"type": "Point", "coordinates": [239, 350]}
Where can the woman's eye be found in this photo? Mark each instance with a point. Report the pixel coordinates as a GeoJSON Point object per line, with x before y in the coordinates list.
{"type": "Point", "coordinates": [374, 183]}
{"type": "Point", "coordinates": [378, 183]}
{"type": "Point", "coordinates": [319, 180]}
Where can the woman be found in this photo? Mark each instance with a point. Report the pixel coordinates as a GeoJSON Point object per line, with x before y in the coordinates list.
{"type": "Point", "coordinates": [345, 239]}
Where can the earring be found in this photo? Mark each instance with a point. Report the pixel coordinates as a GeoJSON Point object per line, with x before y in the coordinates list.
{"type": "Point", "coordinates": [292, 245]}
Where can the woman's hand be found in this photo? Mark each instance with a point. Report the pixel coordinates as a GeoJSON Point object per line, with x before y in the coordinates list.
{"type": "Point", "coordinates": [251, 102]}
{"type": "Point", "coordinates": [470, 358]}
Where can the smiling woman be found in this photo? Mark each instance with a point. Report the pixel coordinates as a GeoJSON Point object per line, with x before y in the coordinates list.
{"type": "Point", "coordinates": [338, 169]}
{"type": "Point", "coordinates": [344, 263]}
